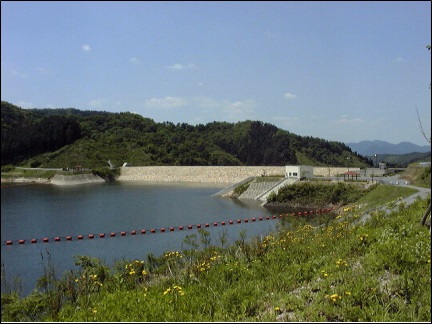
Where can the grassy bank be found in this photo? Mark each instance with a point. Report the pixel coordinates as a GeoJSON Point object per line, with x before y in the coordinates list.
{"type": "Point", "coordinates": [336, 270]}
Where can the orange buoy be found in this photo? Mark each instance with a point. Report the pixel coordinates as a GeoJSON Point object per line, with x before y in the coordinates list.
{"type": "Point", "coordinates": [21, 241]}
{"type": "Point", "coordinates": [274, 216]}
{"type": "Point", "coordinates": [238, 221]}
{"type": "Point", "coordinates": [90, 236]}
{"type": "Point", "coordinates": [207, 225]}
{"type": "Point", "coordinates": [171, 229]}
{"type": "Point", "coordinates": [162, 229]}
{"type": "Point", "coordinates": [80, 237]}
{"type": "Point", "coordinates": [181, 227]}
{"type": "Point", "coordinates": [8, 242]}
{"type": "Point", "coordinates": [253, 219]}
{"type": "Point", "coordinates": [112, 234]}
{"type": "Point", "coordinates": [222, 223]}
{"type": "Point", "coordinates": [246, 220]}
{"type": "Point", "coordinates": [189, 227]}
{"type": "Point", "coordinates": [215, 224]}
{"type": "Point", "coordinates": [45, 239]}
{"type": "Point", "coordinates": [57, 238]}
{"type": "Point", "coordinates": [102, 235]}
{"type": "Point", "coordinates": [122, 233]}
{"type": "Point", "coordinates": [198, 226]}
{"type": "Point", "coordinates": [153, 230]}
{"type": "Point", "coordinates": [231, 222]}
{"type": "Point", "coordinates": [33, 240]}
{"type": "Point", "coordinates": [133, 232]}
{"type": "Point", "coordinates": [143, 231]}
{"type": "Point", "coordinates": [68, 238]}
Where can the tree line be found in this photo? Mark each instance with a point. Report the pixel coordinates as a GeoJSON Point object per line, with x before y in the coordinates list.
{"type": "Point", "coordinates": [64, 136]}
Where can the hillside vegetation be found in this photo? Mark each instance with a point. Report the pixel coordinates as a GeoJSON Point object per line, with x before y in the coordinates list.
{"type": "Point", "coordinates": [67, 137]}
{"type": "Point", "coordinates": [332, 267]}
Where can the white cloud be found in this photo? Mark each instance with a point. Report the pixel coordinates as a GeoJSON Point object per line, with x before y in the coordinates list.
{"type": "Point", "coordinates": [19, 74]}
{"type": "Point", "coordinates": [86, 48]}
{"type": "Point", "coordinates": [96, 103]}
{"type": "Point", "coordinates": [238, 107]}
{"type": "Point", "coordinates": [134, 60]}
{"type": "Point", "coordinates": [286, 121]}
{"type": "Point", "coordinates": [346, 120]}
{"type": "Point", "coordinates": [178, 66]}
{"type": "Point", "coordinates": [289, 95]}
{"type": "Point", "coordinates": [24, 104]}
{"type": "Point", "coordinates": [167, 102]}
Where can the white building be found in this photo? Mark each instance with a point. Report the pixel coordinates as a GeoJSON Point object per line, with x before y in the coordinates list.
{"type": "Point", "coordinates": [298, 171]}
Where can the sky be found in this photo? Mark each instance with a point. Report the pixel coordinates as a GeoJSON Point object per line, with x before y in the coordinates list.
{"type": "Point", "coordinates": [340, 71]}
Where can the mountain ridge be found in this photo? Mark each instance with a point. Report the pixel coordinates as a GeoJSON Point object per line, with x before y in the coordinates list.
{"type": "Point", "coordinates": [370, 148]}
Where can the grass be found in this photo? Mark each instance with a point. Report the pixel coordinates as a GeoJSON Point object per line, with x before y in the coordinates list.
{"type": "Point", "coordinates": [338, 270]}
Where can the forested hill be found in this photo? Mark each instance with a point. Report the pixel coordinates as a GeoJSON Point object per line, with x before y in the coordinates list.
{"type": "Point", "coordinates": [68, 137]}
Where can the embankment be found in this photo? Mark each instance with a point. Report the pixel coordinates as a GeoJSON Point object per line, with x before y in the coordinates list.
{"type": "Point", "coordinates": [64, 180]}
{"type": "Point", "coordinates": [203, 174]}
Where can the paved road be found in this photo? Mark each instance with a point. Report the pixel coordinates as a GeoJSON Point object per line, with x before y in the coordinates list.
{"type": "Point", "coordinates": [422, 193]}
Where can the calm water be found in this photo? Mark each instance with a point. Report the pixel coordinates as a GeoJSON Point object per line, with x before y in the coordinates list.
{"type": "Point", "coordinates": [39, 211]}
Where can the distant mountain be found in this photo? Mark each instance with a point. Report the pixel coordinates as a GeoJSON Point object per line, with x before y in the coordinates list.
{"type": "Point", "coordinates": [370, 148]}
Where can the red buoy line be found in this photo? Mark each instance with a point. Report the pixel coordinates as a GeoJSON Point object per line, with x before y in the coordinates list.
{"type": "Point", "coordinates": [162, 229]}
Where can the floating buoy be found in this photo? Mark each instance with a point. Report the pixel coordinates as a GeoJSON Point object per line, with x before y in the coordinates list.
{"type": "Point", "coordinates": [231, 222]}
{"type": "Point", "coordinates": [21, 241]}
{"type": "Point", "coordinates": [238, 221]}
{"type": "Point", "coordinates": [33, 240]}
{"type": "Point", "coordinates": [222, 223]}
{"type": "Point", "coordinates": [8, 242]}
{"type": "Point", "coordinates": [260, 219]}
{"type": "Point", "coordinates": [198, 226]}
{"type": "Point", "coordinates": [171, 229]}
{"type": "Point", "coordinates": [143, 231]}
{"type": "Point", "coordinates": [102, 235]}
{"type": "Point", "coordinates": [189, 227]}
{"type": "Point", "coordinates": [45, 239]}
{"type": "Point", "coordinates": [80, 237]}
{"type": "Point", "coordinates": [153, 230]}
{"type": "Point", "coordinates": [215, 224]}
{"type": "Point", "coordinates": [181, 227]}
{"type": "Point", "coordinates": [253, 219]}
{"type": "Point", "coordinates": [112, 234]}
{"type": "Point", "coordinates": [68, 238]}
{"type": "Point", "coordinates": [57, 238]}
{"type": "Point", "coordinates": [274, 216]}
{"type": "Point", "coordinates": [90, 236]}
{"type": "Point", "coordinates": [246, 220]}
{"type": "Point", "coordinates": [267, 217]}
{"type": "Point", "coordinates": [162, 229]}
{"type": "Point", "coordinates": [133, 232]}
{"type": "Point", "coordinates": [122, 233]}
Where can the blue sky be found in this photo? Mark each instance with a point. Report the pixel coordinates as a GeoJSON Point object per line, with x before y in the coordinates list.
{"type": "Point", "coordinates": [340, 71]}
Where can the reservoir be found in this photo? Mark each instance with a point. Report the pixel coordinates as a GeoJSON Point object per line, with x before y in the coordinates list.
{"type": "Point", "coordinates": [40, 211]}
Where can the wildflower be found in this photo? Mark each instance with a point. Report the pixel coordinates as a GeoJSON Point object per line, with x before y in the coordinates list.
{"type": "Point", "coordinates": [362, 237]}
{"type": "Point", "coordinates": [144, 273]}
{"type": "Point", "coordinates": [347, 293]}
